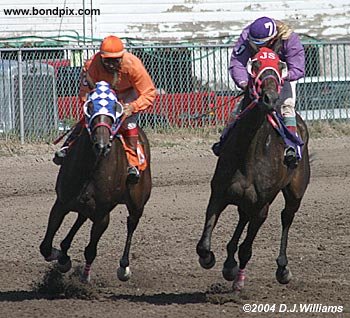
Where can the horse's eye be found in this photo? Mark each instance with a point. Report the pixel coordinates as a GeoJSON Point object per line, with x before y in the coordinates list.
{"type": "Point", "coordinates": [256, 66]}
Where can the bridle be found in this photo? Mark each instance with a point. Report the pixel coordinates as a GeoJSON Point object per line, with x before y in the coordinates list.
{"type": "Point", "coordinates": [256, 86]}
{"type": "Point", "coordinates": [91, 128]}
{"type": "Point", "coordinates": [103, 110]}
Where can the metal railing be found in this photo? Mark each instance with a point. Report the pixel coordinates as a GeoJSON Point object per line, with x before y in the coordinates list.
{"type": "Point", "coordinates": [39, 87]}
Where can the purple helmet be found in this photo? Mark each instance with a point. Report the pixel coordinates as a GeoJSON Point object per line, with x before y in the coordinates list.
{"type": "Point", "coordinates": [262, 30]}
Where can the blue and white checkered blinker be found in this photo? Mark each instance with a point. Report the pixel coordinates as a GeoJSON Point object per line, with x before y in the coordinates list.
{"type": "Point", "coordinates": [104, 102]}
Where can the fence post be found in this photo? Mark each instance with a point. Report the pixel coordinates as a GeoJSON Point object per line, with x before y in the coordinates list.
{"type": "Point", "coordinates": [20, 96]}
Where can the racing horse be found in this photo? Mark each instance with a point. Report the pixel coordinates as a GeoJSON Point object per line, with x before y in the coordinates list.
{"type": "Point", "coordinates": [92, 181]}
{"type": "Point", "coordinates": [251, 171]}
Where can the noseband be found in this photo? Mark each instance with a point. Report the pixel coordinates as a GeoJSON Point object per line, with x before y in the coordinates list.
{"type": "Point", "coordinates": [102, 124]}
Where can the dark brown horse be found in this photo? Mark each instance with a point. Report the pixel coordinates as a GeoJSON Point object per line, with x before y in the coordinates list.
{"type": "Point", "coordinates": [250, 172]}
{"type": "Point", "coordinates": [92, 181]}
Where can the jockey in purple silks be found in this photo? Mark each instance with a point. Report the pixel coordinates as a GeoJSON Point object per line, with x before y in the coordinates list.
{"type": "Point", "coordinates": [278, 36]}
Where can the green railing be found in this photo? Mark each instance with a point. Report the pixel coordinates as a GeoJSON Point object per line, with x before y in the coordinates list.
{"type": "Point", "coordinates": [38, 86]}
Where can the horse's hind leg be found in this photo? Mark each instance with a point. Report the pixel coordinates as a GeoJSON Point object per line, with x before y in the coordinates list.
{"type": "Point", "coordinates": [230, 268]}
{"type": "Point", "coordinates": [57, 214]}
{"type": "Point", "coordinates": [64, 262]}
{"type": "Point", "coordinates": [214, 209]}
{"type": "Point", "coordinates": [99, 226]}
{"type": "Point", "coordinates": [123, 272]}
{"type": "Point", "coordinates": [283, 275]}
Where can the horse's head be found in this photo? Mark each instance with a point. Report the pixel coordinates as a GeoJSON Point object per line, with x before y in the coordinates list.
{"type": "Point", "coordinates": [266, 77]}
{"type": "Point", "coordinates": [102, 114]}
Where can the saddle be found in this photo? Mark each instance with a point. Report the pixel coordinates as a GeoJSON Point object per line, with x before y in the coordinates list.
{"type": "Point", "coordinates": [276, 120]}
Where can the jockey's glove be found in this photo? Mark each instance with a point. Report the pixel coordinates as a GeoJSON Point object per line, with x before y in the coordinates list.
{"type": "Point", "coordinates": [128, 109]}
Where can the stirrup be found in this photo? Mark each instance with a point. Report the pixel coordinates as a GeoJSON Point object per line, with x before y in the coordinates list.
{"type": "Point", "coordinates": [133, 175]}
{"type": "Point", "coordinates": [290, 157]}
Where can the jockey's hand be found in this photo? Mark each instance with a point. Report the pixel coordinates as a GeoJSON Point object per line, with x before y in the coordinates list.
{"type": "Point", "coordinates": [84, 98]}
{"type": "Point", "coordinates": [128, 109]}
{"type": "Point", "coordinates": [243, 86]}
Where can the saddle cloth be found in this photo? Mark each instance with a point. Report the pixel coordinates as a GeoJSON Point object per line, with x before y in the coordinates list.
{"type": "Point", "coordinates": [130, 152]}
{"type": "Point", "coordinates": [289, 138]}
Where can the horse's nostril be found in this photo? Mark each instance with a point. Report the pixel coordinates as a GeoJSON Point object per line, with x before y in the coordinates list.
{"type": "Point", "coordinates": [99, 148]}
{"type": "Point", "coordinates": [266, 99]}
{"type": "Point", "coordinates": [269, 99]}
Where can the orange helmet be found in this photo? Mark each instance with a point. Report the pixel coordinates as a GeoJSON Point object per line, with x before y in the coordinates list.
{"type": "Point", "coordinates": [112, 46]}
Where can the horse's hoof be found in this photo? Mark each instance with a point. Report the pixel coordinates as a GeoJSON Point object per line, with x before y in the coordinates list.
{"type": "Point", "coordinates": [85, 278]}
{"type": "Point", "coordinates": [124, 274]}
{"type": "Point", "coordinates": [55, 254]}
{"type": "Point", "coordinates": [64, 264]}
{"type": "Point", "coordinates": [283, 275]}
{"type": "Point", "coordinates": [230, 273]}
{"type": "Point", "coordinates": [207, 262]}
{"type": "Point", "coordinates": [238, 286]}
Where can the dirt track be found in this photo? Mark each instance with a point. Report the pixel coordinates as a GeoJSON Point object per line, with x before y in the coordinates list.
{"type": "Point", "coordinates": [167, 280]}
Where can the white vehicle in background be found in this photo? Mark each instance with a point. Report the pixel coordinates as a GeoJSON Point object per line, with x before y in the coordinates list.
{"type": "Point", "coordinates": [323, 98]}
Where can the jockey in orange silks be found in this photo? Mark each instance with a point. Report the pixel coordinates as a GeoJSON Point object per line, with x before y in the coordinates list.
{"type": "Point", "coordinates": [133, 85]}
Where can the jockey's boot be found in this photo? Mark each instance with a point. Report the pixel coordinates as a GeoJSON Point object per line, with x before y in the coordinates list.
{"type": "Point", "coordinates": [290, 157]}
{"type": "Point", "coordinates": [290, 153]}
{"type": "Point", "coordinates": [133, 172]}
{"type": "Point", "coordinates": [133, 175]}
{"type": "Point", "coordinates": [217, 147]}
{"type": "Point", "coordinates": [62, 152]}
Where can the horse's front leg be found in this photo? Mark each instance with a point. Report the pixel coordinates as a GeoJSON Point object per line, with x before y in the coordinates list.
{"type": "Point", "coordinates": [214, 209]}
{"type": "Point", "coordinates": [64, 262]}
{"type": "Point", "coordinates": [256, 219]}
{"type": "Point", "coordinates": [57, 214]}
{"type": "Point", "coordinates": [283, 274]}
{"type": "Point", "coordinates": [230, 268]}
{"type": "Point", "coordinates": [99, 226]}
{"type": "Point", "coordinates": [123, 272]}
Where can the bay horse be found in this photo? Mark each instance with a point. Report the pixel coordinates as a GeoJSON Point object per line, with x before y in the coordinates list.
{"type": "Point", "coordinates": [92, 181]}
{"type": "Point", "coordinates": [251, 171]}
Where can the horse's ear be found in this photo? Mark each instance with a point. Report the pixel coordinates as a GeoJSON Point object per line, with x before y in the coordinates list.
{"type": "Point", "coordinates": [253, 66]}
{"type": "Point", "coordinates": [249, 67]}
{"type": "Point", "coordinates": [283, 69]}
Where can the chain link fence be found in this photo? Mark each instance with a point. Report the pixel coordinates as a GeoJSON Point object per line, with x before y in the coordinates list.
{"type": "Point", "coordinates": [39, 87]}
